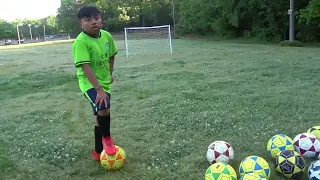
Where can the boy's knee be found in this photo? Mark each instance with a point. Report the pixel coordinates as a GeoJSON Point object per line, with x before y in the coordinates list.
{"type": "Point", "coordinates": [104, 112]}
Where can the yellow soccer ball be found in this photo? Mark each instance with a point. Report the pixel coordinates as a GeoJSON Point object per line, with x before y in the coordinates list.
{"type": "Point", "coordinates": [252, 176]}
{"type": "Point", "coordinates": [115, 162]}
{"type": "Point", "coordinates": [255, 164]}
{"type": "Point", "coordinates": [279, 143]}
{"type": "Point", "coordinates": [220, 171]}
{"type": "Point", "coordinates": [315, 130]}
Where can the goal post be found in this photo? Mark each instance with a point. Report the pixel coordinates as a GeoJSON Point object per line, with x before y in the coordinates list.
{"type": "Point", "coordinates": [148, 40]}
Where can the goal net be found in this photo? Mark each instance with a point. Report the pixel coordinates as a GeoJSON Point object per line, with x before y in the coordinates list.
{"type": "Point", "coordinates": [57, 37]}
{"type": "Point", "coordinates": [148, 40]}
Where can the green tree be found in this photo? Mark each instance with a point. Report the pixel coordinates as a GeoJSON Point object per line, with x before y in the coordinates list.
{"type": "Point", "coordinates": [7, 30]}
{"type": "Point", "coordinates": [250, 18]}
{"type": "Point", "coordinates": [67, 17]}
{"type": "Point", "coordinates": [311, 13]}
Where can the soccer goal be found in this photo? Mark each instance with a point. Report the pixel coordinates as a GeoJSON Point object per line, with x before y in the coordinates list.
{"type": "Point", "coordinates": [57, 37]}
{"type": "Point", "coordinates": [148, 40]}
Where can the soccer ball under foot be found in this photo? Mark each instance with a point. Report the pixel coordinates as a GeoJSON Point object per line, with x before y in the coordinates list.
{"type": "Point", "coordinates": [115, 162]}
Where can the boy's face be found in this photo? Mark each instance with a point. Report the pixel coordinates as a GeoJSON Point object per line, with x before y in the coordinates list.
{"type": "Point", "coordinates": [91, 24]}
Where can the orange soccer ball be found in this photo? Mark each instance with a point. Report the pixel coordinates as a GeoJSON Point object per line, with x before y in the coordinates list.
{"type": "Point", "coordinates": [115, 162]}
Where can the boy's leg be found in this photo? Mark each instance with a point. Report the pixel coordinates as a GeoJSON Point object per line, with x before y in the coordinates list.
{"type": "Point", "coordinates": [98, 146]}
{"type": "Point", "coordinates": [103, 120]}
{"type": "Point", "coordinates": [98, 140]}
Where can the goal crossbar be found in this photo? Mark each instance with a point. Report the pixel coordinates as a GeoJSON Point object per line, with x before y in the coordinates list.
{"type": "Point", "coordinates": [149, 27]}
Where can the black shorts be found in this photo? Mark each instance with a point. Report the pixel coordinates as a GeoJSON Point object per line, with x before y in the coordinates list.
{"type": "Point", "coordinates": [91, 95]}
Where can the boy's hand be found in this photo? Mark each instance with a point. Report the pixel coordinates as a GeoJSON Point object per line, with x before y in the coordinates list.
{"type": "Point", "coordinates": [112, 79]}
{"type": "Point", "coordinates": [102, 97]}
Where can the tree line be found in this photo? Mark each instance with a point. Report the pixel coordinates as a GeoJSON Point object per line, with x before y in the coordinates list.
{"type": "Point", "coordinates": [37, 27]}
{"type": "Point", "coordinates": [262, 19]}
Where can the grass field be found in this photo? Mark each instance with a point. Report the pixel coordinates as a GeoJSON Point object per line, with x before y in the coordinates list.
{"type": "Point", "coordinates": [166, 109]}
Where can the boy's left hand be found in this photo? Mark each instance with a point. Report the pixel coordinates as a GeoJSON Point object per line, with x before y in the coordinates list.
{"type": "Point", "coordinates": [112, 79]}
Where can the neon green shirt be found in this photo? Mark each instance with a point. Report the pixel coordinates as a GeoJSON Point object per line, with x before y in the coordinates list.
{"type": "Point", "coordinates": [97, 53]}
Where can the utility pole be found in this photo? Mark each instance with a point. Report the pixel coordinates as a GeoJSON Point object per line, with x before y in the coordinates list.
{"type": "Point", "coordinates": [30, 31]}
{"type": "Point", "coordinates": [37, 28]}
{"type": "Point", "coordinates": [18, 34]}
{"type": "Point", "coordinates": [291, 20]}
{"type": "Point", "coordinates": [174, 20]}
{"type": "Point", "coordinates": [18, 31]}
{"type": "Point", "coordinates": [44, 32]}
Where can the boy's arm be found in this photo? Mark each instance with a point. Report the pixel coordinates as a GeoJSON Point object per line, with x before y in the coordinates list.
{"type": "Point", "coordinates": [91, 76]}
{"type": "Point", "coordinates": [113, 52]}
{"type": "Point", "coordinates": [111, 64]}
{"type": "Point", "coordinates": [101, 94]}
{"type": "Point", "coordinates": [82, 60]}
{"type": "Point", "coordinates": [111, 68]}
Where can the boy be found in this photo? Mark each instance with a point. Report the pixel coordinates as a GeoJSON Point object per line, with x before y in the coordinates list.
{"type": "Point", "coordinates": [93, 53]}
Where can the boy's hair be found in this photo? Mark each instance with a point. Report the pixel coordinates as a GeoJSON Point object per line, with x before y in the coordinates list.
{"type": "Point", "coordinates": [88, 11]}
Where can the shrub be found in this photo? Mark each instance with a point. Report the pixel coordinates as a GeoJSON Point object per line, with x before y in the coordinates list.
{"type": "Point", "coordinates": [287, 43]}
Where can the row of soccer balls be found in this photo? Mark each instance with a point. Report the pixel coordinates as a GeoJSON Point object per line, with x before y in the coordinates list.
{"type": "Point", "coordinates": [289, 163]}
{"type": "Point", "coordinates": [304, 144]}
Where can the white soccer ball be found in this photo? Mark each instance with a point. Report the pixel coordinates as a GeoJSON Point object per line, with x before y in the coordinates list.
{"type": "Point", "coordinates": [220, 151]}
{"type": "Point", "coordinates": [307, 145]}
{"type": "Point", "coordinates": [314, 170]}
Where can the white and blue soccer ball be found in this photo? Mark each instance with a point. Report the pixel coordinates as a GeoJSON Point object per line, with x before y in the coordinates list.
{"type": "Point", "coordinates": [314, 170]}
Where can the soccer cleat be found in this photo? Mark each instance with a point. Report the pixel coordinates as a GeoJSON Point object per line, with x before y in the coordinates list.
{"type": "Point", "coordinates": [96, 155]}
{"type": "Point", "coordinates": [108, 145]}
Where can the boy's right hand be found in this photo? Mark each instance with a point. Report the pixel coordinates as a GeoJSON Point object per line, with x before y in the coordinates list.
{"type": "Point", "coordinates": [102, 97]}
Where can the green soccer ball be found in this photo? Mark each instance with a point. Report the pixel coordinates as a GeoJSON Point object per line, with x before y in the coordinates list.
{"type": "Point", "coordinates": [220, 171]}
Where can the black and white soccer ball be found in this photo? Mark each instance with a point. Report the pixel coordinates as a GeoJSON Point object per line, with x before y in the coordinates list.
{"type": "Point", "coordinates": [290, 164]}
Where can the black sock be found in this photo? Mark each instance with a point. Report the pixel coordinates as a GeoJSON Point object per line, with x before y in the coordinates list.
{"type": "Point", "coordinates": [98, 139]}
{"type": "Point", "coordinates": [104, 124]}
